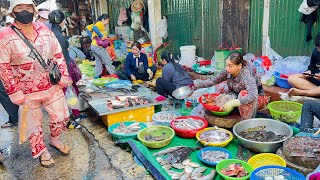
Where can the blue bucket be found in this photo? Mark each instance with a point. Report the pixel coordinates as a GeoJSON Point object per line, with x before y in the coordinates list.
{"type": "Point", "coordinates": [281, 82]}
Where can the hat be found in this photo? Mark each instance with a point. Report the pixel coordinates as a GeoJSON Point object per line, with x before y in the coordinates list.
{"type": "Point", "coordinates": [137, 5]}
{"type": "Point", "coordinates": [44, 14]}
{"type": "Point", "coordinates": [14, 3]}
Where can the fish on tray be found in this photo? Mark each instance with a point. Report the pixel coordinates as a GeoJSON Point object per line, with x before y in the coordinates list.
{"type": "Point", "coordinates": [234, 170]}
{"type": "Point", "coordinates": [176, 154]}
{"type": "Point", "coordinates": [214, 136]}
{"type": "Point", "coordinates": [219, 100]}
{"type": "Point", "coordinates": [188, 124]}
{"type": "Point", "coordinates": [214, 156]}
{"type": "Point", "coordinates": [131, 129]}
{"type": "Point", "coordinates": [259, 134]}
{"type": "Point", "coordinates": [150, 137]}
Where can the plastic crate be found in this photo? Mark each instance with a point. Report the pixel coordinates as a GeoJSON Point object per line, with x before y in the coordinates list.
{"type": "Point", "coordinates": [138, 115]}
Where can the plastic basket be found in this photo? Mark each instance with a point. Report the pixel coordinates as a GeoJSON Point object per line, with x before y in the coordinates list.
{"type": "Point", "coordinates": [272, 171]}
{"type": "Point", "coordinates": [227, 162]}
{"type": "Point", "coordinates": [266, 159]}
{"type": "Point", "coordinates": [212, 149]}
{"type": "Point", "coordinates": [164, 122]}
{"type": "Point", "coordinates": [117, 136]}
{"type": "Point", "coordinates": [213, 108]}
{"type": "Point", "coordinates": [188, 133]}
{"type": "Point", "coordinates": [156, 131]}
{"type": "Point", "coordinates": [222, 144]}
{"type": "Point", "coordinates": [282, 82]}
{"type": "Point", "coordinates": [286, 111]}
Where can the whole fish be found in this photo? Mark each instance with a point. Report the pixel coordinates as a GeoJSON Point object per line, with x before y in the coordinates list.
{"type": "Point", "coordinates": [188, 169]}
{"type": "Point", "coordinates": [168, 150]}
{"type": "Point", "coordinates": [186, 176]}
{"type": "Point", "coordinates": [258, 128]}
{"type": "Point", "coordinates": [240, 153]}
{"type": "Point", "coordinates": [195, 175]}
{"type": "Point", "coordinates": [193, 164]}
{"type": "Point", "coordinates": [178, 166]}
{"type": "Point", "coordinates": [199, 170]}
{"type": "Point", "coordinates": [177, 175]}
{"type": "Point", "coordinates": [209, 176]}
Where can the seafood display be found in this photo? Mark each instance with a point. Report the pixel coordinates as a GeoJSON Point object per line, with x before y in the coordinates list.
{"type": "Point", "coordinates": [215, 136]}
{"type": "Point", "coordinates": [219, 100]}
{"type": "Point", "coordinates": [279, 177]}
{"type": "Point", "coordinates": [191, 170]}
{"type": "Point", "coordinates": [214, 156]}
{"type": "Point", "coordinates": [176, 154]}
{"type": "Point", "coordinates": [131, 129]}
{"type": "Point", "coordinates": [242, 151]}
{"type": "Point", "coordinates": [149, 137]}
{"type": "Point", "coordinates": [126, 101]}
{"type": "Point", "coordinates": [259, 134]}
{"type": "Point", "coordinates": [165, 116]}
{"type": "Point", "coordinates": [234, 170]}
{"type": "Point", "coordinates": [188, 124]}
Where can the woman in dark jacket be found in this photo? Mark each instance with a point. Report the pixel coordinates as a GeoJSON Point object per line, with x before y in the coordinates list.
{"type": "Point", "coordinates": [173, 76]}
{"type": "Point", "coordinates": [57, 22]}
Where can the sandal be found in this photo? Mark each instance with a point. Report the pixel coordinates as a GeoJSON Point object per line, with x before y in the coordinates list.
{"type": "Point", "coordinates": [48, 162]}
{"type": "Point", "coordinates": [64, 151]}
{"type": "Point", "coordinates": [8, 125]}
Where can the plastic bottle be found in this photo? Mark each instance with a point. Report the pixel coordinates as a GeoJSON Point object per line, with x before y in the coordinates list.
{"type": "Point", "coordinates": [258, 66]}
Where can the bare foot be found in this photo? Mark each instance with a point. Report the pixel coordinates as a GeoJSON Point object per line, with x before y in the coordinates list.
{"type": "Point", "coordinates": [295, 92]}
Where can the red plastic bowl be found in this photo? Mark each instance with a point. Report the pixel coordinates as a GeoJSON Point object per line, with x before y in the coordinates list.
{"type": "Point", "coordinates": [188, 133]}
{"type": "Point", "coordinates": [210, 107]}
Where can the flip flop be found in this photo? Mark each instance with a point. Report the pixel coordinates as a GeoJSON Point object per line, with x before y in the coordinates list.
{"type": "Point", "coordinates": [65, 151]}
{"type": "Point", "coordinates": [48, 163]}
{"type": "Point", "coordinates": [8, 125]}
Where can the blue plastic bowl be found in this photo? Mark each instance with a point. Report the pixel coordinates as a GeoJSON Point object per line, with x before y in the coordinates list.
{"type": "Point", "coordinates": [212, 149]}
{"type": "Point", "coordinates": [281, 82]}
{"type": "Point", "coordinates": [271, 171]}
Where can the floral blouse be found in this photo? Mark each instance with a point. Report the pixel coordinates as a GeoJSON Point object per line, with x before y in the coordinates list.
{"type": "Point", "coordinates": [246, 80]}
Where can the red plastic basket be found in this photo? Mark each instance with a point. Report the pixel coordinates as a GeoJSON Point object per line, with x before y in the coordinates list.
{"type": "Point", "coordinates": [210, 107]}
{"type": "Point", "coordinates": [188, 133]}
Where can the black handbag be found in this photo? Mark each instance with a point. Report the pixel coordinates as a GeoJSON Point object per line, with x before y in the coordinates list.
{"type": "Point", "coordinates": [54, 72]}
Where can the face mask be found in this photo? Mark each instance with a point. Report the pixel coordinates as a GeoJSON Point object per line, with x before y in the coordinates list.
{"type": "Point", "coordinates": [24, 17]}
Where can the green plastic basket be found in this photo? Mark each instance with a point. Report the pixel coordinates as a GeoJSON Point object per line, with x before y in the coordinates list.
{"type": "Point", "coordinates": [286, 111]}
{"type": "Point", "coordinates": [227, 162]}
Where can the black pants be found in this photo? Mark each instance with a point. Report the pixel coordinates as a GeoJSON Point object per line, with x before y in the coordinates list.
{"type": "Point", "coordinates": [145, 76]}
{"type": "Point", "coordinates": [164, 87]}
{"type": "Point", "coordinates": [12, 109]}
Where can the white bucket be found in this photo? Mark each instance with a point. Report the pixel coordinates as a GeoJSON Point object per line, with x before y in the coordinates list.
{"type": "Point", "coordinates": [188, 55]}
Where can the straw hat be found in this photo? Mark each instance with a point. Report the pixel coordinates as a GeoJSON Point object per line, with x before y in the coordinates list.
{"type": "Point", "coordinates": [137, 5]}
{"type": "Point", "coordinates": [14, 3]}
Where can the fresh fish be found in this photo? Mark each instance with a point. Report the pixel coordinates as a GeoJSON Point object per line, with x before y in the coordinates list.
{"type": "Point", "coordinates": [170, 172]}
{"type": "Point", "coordinates": [159, 159]}
{"type": "Point", "coordinates": [179, 155]}
{"type": "Point", "coordinates": [177, 175]}
{"type": "Point", "coordinates": [149, 137]}
{"type": "Point", "coordinates": [199, 170]}
{"type": "Point", "coordinates": [258, 128]}
{"type": "Point", "coordinates": [214, 136]}
{"type": "Point", "coordinates": [133, 125]}
{"type": "Point", "coordinates": [177, 166]}
{"type": "Point", "coordinates": [193, 164]}
{"type": "Point", "coordinates": [188, 169]}
{"type": "Point", "coordinates": [185, 162]}
{"type": "Point", "coordinates": [240, 153]}
{"type": "Point", "coordinates": [214, 156]}
{"type": "Point", "coordinates": [168, 166]}
{"type": "Point", "coordinates": [164, 162]}
{"type": "Point", "coordinates": [195, 176]}
{"type": "Point", "coordinates": [209, 176]}
{"type": "Point", "coordinates": [188, 124]}
{"type": "Point", "coordinates": [248, 154]}
{"type": "Point", "coordinates": [168, 150]}
{"type": "Point", "coordinates": [123, 129]}
{"type": "Point", "coordinates": [186, 176]}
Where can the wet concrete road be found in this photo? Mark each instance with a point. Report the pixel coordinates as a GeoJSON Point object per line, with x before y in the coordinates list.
{"type": "Point", "coordinates": [93, 156]}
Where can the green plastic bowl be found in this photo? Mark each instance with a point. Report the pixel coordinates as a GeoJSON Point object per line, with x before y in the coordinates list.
{"type": "Point", "coordinates": [156, 131]}
{"type": "Point", "coordinates": [221, 113]}
{"type": "Point", "coordinates": [117, 136]}
{"type": "Point", "coordinates": [227, 162]}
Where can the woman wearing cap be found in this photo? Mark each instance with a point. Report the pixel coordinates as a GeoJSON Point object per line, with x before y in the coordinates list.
{"type": "Point", "coordinates": [136, 16]}
{"type": "Point", "coordinates": [28, 83]}
{"type": "Point", "coordinates": [57, 21]}
{"type": "Point", "coordinates": [100, 53]}
{"type": "Point", "coordinates": [173, 76]}
{"type": "Point", "coordinates": [43, 15]}
{"type": "Point", "coordinates": [136, 65]}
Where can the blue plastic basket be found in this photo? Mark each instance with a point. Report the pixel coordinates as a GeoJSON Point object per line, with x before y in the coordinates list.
{"type": "Point", "coordinates": [282, 82]}
{"type": "Point", "coordinates": [212, 149]}
{"type": "Point", "coordinates": [271, 171]}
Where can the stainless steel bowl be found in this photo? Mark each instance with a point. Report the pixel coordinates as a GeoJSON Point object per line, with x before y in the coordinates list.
{"type": "Point", "coordinates": [271, 125]}
{"type": "Point", "coordinates": [182, 92]}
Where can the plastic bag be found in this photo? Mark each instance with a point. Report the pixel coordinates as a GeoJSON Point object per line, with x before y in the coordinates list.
{"type": "Point", "coordinates": [72, 98]}
{"type": "Point", "coordinates": [292, 65]}
{"type": "Point", "coordinates": [198, 111]}
{"type": "Point", "coordinates": [273, 56]}
{"type": "Point", "coordinates": [305, 9]}
{"type": "Point", "coordinates": [162, 29]}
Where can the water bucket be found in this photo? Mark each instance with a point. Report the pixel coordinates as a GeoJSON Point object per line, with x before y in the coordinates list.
{"type": "Point", "coordinates": [188, 55]}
